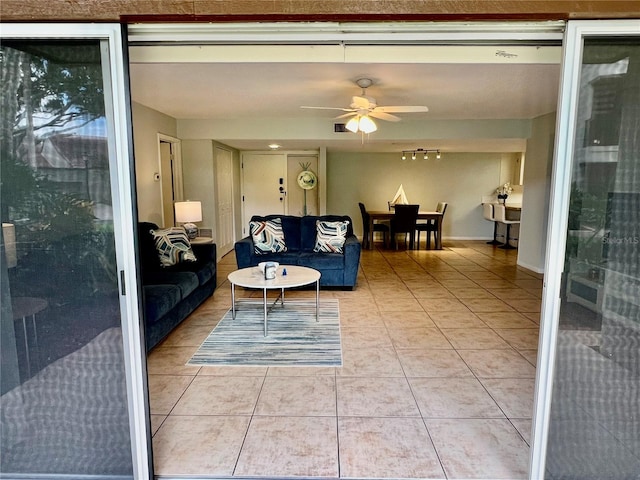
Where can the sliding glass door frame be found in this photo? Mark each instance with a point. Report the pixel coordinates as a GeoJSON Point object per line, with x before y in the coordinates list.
{"type": "Point", "coordinates": [118, 111]}
{"type": "Point", "coordinates": [564, 150]}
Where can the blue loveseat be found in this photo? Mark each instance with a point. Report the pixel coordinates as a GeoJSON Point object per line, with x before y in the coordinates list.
{"type": "Point", "coordinates": [337, 269]}
{"type": "Point", "coordinates": [170, 294]}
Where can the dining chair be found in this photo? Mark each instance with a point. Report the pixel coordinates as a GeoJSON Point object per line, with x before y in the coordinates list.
{"type": "Point", "coordinates": [500, 212]}
{"type": "Point", "coordinates": [431, 226]}
{"type": "Point", "coordinates": [487, 213]}
{"type": "Point", "coordinates": [404, 221]}
{"type": "Point", "coordinates": [377, 227]}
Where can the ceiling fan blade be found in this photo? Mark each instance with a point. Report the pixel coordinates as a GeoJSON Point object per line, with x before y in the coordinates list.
{"type": "Point", "coordinates": [402, 109]}
{"type": "Point", "coordinates": [328, 108]}
{"type": "Point", "coordinates": [384, 116]}
{"type": "Point", "coordinates": [344, 115]}
{"type": "Point", "coordinates": [360, 102]}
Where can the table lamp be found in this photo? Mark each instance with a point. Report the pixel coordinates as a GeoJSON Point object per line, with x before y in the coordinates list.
{"type": "Point", "coordinates": [187, 213]}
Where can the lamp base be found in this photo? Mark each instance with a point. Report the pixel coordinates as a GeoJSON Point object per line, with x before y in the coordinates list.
{"type": "Point", "coordinates": [191, 229]}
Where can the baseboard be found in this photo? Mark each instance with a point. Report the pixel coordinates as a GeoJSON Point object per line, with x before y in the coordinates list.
{"type": "Point", "coordinates": [530, 267]}
{"type": "Point", "coordinates": [466, 238]}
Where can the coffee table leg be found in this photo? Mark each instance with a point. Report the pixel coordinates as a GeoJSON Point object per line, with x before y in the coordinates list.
{"type": "Point", "coordinates": [317, 298]}
{"type": "Point", "coordinates": [282, 298]}
{"type": "Point", "coordinates": [264, 298]}
{"type": "Point", "coordinates": [233, 301]}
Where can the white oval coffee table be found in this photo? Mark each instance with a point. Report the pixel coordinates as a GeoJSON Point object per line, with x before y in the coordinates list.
{"type": "Point", "coordinates": [252, 277]}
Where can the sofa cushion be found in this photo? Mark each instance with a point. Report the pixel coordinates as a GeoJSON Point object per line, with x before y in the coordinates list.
{"type": "Point", "coordinates": [187, 282]}
{"type": "Point", "coordinates": [326, 261]}
{"type": "Point", "coordinates": [330, 236]}
{"type": "Point", "coordinates": [203, 270]}
{"type": "Point", "coordinates": [268, 236]}
{"type": "Point", "coordinates": [149, 259]}
{"type": "Point", "coordinates": [172, 245]}
{"type": "Point", "coordinates": [290, 228]}
{"type": "Point", "coordinates": [159, 300]}
{"type": "Point", "coordinates": [308, 229]}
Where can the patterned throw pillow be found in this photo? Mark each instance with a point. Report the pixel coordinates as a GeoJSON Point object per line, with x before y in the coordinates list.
{"type": "Point", "coordinates": [268, 236]}
{"type": "Point", "coordinates": [330, 236]}
{"type": "Point", "coordinates": [173, 246]}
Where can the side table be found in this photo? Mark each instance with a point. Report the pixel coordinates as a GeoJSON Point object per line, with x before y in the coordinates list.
{"type": "Point", "coordinates": [201, 240]}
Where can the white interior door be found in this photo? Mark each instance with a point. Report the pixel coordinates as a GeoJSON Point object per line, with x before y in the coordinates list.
{"type": "Point", "coordinates": [224, 181]}
{"type": "Point", "coordinates": [264, 185]}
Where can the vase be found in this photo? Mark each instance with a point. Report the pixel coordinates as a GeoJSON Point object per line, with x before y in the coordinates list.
{"type": "Point", "coordinates": [503, 197]}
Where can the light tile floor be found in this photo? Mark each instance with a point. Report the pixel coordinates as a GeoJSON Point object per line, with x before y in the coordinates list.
{"type": "Point", "coordinates": [439, 352]}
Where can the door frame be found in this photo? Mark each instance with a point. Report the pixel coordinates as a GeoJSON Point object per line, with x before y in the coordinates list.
{"type": "Point", "coordinates": [566, 126]}
{"type": "Point", "coordinates": [116, 78]}
{"type": "Point", "coordinates": [176, 167]}
{"type": "Point", "coordinates": [366, 33]}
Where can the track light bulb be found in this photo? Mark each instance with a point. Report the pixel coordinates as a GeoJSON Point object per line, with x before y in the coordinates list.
{"type": "Point", "coordinates": [404, 156]}
{"type": "Point", "coordinates": [426, 156]}
{"type": "Point", "coordinates": [438, 155]}
{"type": "Point", "coordinates": [413, 156]}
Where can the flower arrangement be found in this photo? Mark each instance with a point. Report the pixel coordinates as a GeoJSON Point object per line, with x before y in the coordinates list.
{"type": "Point", "coordinates": [504, 191]}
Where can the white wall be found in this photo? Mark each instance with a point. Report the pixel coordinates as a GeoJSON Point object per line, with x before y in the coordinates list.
{"type": "Point", "coordinates": [199, 178]}
{"type": "Point", "coordinates": [198, 175]}
{"type": "Point", "coordinates": [461, 179]}
{"type": "Point", "coordinates": [535, 199]}
{"type": "Point", "coordinates": [147, 123]}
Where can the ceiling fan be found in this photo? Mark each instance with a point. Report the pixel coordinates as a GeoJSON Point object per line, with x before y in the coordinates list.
{"type": "Point", "coordinates": [362, 107]}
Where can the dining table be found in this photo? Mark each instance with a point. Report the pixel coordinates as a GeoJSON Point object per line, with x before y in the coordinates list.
{"type": "Point", "coordinates": [378, 215]}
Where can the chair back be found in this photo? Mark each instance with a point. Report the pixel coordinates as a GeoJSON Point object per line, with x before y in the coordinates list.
{"type": "Point", "coordinates": [442, 207]}
{"type": "Point", "coordinates": [405, 216]}
{"type": "Point", "coordinates": [487, 211]}
{"type": "Point", "coordinates": [365, 217]}
{"type": "Point", "coordinates": [500, 213]}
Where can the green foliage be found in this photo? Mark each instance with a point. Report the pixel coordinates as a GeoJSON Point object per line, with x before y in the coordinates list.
{"type": "Point", "coordinates": [63, 251]}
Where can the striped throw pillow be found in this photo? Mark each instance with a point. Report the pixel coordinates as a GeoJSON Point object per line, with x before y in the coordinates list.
{"type": "Point", "coordinates": [173, 246]}
{"type": "Point", "coordinates": [330, 236]}
{"type": "Point", "coordinates": [268, 236]}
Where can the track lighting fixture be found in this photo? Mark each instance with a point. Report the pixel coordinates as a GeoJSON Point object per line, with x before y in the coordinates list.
{"type": "Point", "coordinates": [417, 151]}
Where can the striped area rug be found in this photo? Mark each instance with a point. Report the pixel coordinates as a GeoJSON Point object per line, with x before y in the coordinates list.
{"type": "Point", "coordinates": [294, 337]}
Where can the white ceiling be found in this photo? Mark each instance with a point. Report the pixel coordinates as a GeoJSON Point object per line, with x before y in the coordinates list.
{"type": "Point", "coordinates": [467, 88]}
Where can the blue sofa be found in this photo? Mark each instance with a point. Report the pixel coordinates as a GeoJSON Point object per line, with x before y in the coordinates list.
{"type": "Point", "coordinates": [338, 270]}
{"type": "Point", "coordinates": [170, 294]}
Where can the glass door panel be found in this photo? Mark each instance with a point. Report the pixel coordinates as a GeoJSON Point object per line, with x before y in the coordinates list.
{"type": "Point", "coordinates": [64, 391]}
{"type": "Point", "coordinates": [594, 409]}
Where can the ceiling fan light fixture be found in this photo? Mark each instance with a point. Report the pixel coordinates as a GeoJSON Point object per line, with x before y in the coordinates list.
{"type": "Point", "coordinates": [367, 125]}
{"type": "Point", "coordinates": [352, 125]}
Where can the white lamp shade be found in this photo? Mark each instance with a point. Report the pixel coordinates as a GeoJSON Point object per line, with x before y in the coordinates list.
{"type": "Point", "coordinates": [352, 125]}
{"type": "Point", "coordinates": [367, 125]}
{"type": "Point", "coordinates": [187, 212]}
{"type": "Point", "coordinates": [9, 239]}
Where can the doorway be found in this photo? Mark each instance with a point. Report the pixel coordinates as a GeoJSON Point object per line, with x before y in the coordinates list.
{"type": "Point", "coordinates": [171, 183]}
{"type": "Point", "coordinates": [198, 130]}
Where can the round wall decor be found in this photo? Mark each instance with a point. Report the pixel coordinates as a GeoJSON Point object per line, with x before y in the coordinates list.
{"type": "Point", "coordinates": [307, 179]}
